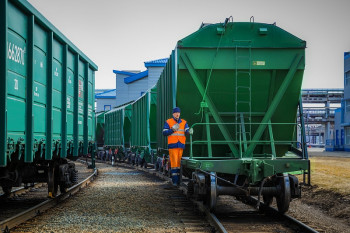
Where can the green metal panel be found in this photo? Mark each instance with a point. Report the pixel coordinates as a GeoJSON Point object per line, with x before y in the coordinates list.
{"type": "Point", "coordinates": [86, 109]}
{"type": "Point", "coordinates": [140, 135]}
{"type": "Point", "coordinates": [76, 107]}
{"type": "Point", "coordinates": [165, 98]}
{"type": "Point", "coordinates": [118, 126]}
{"type": "Point", "coordinates": [3, 82]}
{"type": "Point", "coordinates": [29, 93]}
{"type": "Point", "coordinates": [207, 37]}
{"type": "Point", "coordinates": [81, 98]}
{"type": "Point", "coordinates": [93, 102]}
{"type": "Point", "coordinates": [70, 95]}
{"type": "Point", "coordinates": [64, 103]}
{"type": "Point", "coordinates": [106, 131]}
{"type": "Point", "coordinates": [40, 77]}
{"type": "Point", "coordinates": [91, 109]}
{"type": "Point", "coordinates": [38, 89]}
{"type": "Point", "coordinates": [57, 69]}
{"type": "Point", "coordinates": [153, 118]}
{"type": "Point", "coordinates": [227, 55]}
{"type": "Point", "coordinates": [41, 20]}
{"type": "Point", "coordinates": [128, 115]}
{"type": "Point", "coordinates": [109, 139]}
{"type": "Point", "coordinates": [255, 169]}
{"type": "Point", "coordinates": [49, 118]}
{"type": "Point", "coordinates": [17, 37]}
{"type": "Point", "coordinates": [100, 129]}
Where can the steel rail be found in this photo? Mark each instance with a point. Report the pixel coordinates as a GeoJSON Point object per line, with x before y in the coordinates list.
{"type": "Point", "coordinates": [21, 190]}
{"type": "Point", "coordinates": [210, 216]}
{"type": "Point", "coordinates": [273, 211]}
{"type": "Point", "coordinates": [213, 219]}
{"type": "Point", "coordinates": [14, 221]}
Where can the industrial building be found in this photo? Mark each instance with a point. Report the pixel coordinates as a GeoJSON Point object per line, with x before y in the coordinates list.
{"type": "Point", "coordinates": [341, 139]}
{"type": "Point", "coordinates": [105, 99]}
{"type": "Point", "coordinates": [319, 106]}
{"type": "Point", "coordinates": [130, 85]}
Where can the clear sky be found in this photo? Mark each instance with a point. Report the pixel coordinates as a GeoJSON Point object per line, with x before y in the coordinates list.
{"type": "Point", "coordinates": [122, 35]}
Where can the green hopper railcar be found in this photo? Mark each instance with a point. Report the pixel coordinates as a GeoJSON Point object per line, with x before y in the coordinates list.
{"type": "Point", "coordinates": [243, 80]}
{"type": "Point", "coordinates": [100, 129]}
{"type": "Point", "coordinates": [46, 100]}
{"type": "Point", "coordinates": [143, 136]}
{"type": "Point", "coordinates": [118, 131]}
{"type": "Point", "coordinates": [130, 130]}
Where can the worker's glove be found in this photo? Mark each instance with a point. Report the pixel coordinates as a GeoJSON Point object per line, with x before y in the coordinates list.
{"type": "Point", "coordinates": [190, 131]}
{"type": "Point", "coordinates": [175, 127]}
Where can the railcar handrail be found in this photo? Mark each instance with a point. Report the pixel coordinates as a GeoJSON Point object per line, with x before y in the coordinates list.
{"type": "Point", "coordinates": [243, 143]}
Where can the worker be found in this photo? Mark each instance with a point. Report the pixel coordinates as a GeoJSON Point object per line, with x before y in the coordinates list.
{"type": "Point", "coordinates": [175, 129]}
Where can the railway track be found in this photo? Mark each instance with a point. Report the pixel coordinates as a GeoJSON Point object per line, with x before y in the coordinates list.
{"type": "Point", "coordinates": [21, 190]}
{"type": "Point", "coordinates": [238, 216]}
{"type": "Point", "coordinates": [243, 217]}
{"type": "Point", "coordinates": [25, 204]}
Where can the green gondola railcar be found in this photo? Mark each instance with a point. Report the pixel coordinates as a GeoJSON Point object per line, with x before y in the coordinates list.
{"type": "Point", "coordinates": [46, 100]}
{"type": "Point", "coordinates": [243, 80]}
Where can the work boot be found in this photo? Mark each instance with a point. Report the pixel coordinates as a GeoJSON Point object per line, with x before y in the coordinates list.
{"type": "Point", "coordinates": [175, 176]}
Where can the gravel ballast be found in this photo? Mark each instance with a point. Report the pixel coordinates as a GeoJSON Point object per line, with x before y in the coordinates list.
{"type": "Point", "coordinates": [28, 198]}
{"type": "Point", "coordinates": [119, 200]}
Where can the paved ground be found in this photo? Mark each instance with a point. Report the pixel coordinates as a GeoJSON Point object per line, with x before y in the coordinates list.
{"type": "Point", "coordinates": [321, 152]}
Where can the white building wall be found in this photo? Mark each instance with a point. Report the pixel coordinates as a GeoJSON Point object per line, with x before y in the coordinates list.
{"type": "Point", "coordinates": [122, 90]}
{"type": "Point", "coordinates": [153, 75]}
{"type": "Point", "coordinates": [101, 103]}
{"type": "Point", "coordinates": [136, 88]}
{"type": "Point", "coordinates": [132, 91]}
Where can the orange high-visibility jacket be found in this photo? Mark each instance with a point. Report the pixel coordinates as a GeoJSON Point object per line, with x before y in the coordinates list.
{"type": "Point", "coordinates": [176, 139]}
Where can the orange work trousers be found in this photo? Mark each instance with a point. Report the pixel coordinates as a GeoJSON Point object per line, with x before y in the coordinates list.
{"type": "Point", "coordinates": [175, 157]}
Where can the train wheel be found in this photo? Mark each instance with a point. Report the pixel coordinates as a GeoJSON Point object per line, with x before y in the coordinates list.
{"type": "Point", "coordinates": [52, 181]}
{"type": "Point", "coordinates": [190, 189]}
{"type": "Point", "coordinates": [63, 189]}
{"type": "Point", "coordinates": [213, 191]}
{"type": "Point", "coordinates": [7, 190]}
{"type": "Point", "coordinates": [283, 199]}
{"type": "Point", "coordinates": [267, 200]}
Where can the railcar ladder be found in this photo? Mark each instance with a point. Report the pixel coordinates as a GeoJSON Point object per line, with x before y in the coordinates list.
{"type": "Point", "coordinates": [243, 97]}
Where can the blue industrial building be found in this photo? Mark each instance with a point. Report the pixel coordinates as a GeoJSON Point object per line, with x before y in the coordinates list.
{"type": "Point", "coordinates": [341, 136]}
{"type": "Point", "coordinates": [105, 100]}
{"type": "Point", "coordinates": [131, 85]}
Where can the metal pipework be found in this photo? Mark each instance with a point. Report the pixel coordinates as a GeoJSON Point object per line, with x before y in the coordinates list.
{"type": "Point", "coordinates": [233, 191]}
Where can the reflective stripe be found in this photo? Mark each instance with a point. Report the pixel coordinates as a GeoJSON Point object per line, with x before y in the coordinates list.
{"type": "Point", "coordinates": [187, 128]}
{"type": "Point", "coordinates": [165, 129]}
{"type": "Point", "coordinates": [175, 168]}
{"type": "Point", "coordinates": [178, 134]}
{"type": "Point", "coordinates": [175, 174]}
